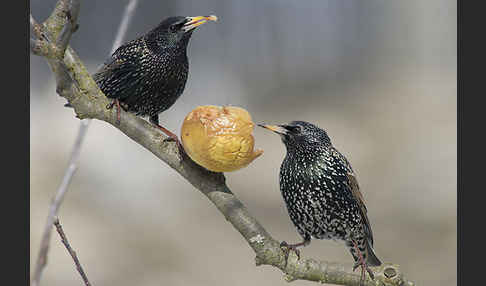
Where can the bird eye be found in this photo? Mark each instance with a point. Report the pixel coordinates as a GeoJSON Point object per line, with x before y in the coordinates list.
{"type": "Point", "coordinates": [293, 129]}
{"type": "Point", "coordinates": [173, 28]}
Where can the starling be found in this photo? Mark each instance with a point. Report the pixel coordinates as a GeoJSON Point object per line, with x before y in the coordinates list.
{"type": "Point", "coordinates": [147, 75]}
{"type": "Point", "coordinates": [322, 194]}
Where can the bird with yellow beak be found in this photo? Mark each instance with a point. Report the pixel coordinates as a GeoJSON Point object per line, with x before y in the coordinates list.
{"type": "Point", "coordinates": [147, 75]}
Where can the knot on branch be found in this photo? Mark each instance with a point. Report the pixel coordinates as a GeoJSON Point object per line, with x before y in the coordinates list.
{"type": "Point", "coordinates": [390, 274]}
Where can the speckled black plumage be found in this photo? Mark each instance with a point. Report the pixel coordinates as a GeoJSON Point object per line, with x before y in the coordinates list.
{"type": "Point", "coordinates": [320, 190]}
{"type": "Point", "coordinates": [147, 75]}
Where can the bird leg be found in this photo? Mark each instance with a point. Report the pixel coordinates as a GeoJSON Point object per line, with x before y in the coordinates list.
{"type": "Point", "coordinates": [361, 262]}
{"type": "Point", "coordinates": [118, 109]}
{"type": "Point", "coordinates": [155, 120]}
{"type": "Point", "coordinates": [286, 248]}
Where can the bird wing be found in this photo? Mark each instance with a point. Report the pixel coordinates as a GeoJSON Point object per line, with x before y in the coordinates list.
{"type": "Point", "coordinates": [110, 64]}
{"type": "Point", "coordinates": [357, 195]}
{"type": "Point", "coordinates": [118, 76]}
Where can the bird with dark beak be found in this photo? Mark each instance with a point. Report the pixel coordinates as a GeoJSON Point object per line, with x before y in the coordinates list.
{"type": "Point", "coordinates": [147, 75]}
{"type": "Point", "coordinates": [321, 193]}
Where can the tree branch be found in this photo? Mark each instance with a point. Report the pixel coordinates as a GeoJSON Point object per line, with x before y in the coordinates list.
{"type": "Point", "coordinates": [89, 102]}
{"type": "Point", "coordinates": [71, 252]}
{"type": "Point", "coordinates": [43, 47]}
{"type": "Point", "coordinates": [53, 210]}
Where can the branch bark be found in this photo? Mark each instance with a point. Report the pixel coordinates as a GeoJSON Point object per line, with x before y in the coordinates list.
{"type": "Point", "coordinates": [44, 47]}
{"type": "Point", "coordinates": [89, 102]}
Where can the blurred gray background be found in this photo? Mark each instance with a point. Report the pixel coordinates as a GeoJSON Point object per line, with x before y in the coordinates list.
{"type": "Point", "coordinates": [379, 76]}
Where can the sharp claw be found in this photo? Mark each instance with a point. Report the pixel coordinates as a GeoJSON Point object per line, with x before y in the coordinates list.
{"type": "Point", "coordinates": [363, 277]}
{"type": "Point", "coordinates": [363, 268]}
{"type": "Point", "coordinates": [372, 276]}
{"type": "Point", "coordinates": [176, 140]}
{"type": "Point", "coordinates": [286, 248]}
{"type": "Point", "coordinates": [110, 106]}
{"type": "Point", "coordinates": [169, 139]}
{"type": "Point", "coordinates": [361, 262]}
{"type": "Point", "coordinates": [180, 148]}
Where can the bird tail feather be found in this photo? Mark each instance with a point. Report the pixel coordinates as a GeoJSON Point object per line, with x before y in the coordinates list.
{"type": "Point", "coordinates": [371, 258]}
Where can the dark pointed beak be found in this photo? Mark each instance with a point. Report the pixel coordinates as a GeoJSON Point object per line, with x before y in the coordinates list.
{"type": "Point", "coordinates": [279, 129]}
{"type": "Point", "coordinates": [193, 22]}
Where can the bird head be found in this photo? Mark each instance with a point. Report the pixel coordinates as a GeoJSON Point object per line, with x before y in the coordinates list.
{"type": "Point", "coordinates": [297, 134]}
{"type": "Point", "coordinates": [176, 31]}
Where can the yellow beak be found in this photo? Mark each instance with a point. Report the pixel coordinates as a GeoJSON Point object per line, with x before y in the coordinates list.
{"type": "Point", "coordinates": [193, 22]}
{"type": "Point", "coordinates": [274, 128]}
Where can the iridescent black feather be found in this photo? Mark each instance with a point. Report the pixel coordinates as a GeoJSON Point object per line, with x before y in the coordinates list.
{"type": "Point", "coordinates": [147, 75]}
{"type": "Point", "coordinates": [321, 192]}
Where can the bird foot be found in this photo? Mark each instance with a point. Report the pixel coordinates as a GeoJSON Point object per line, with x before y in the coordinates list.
{"type": "Point", "coordinates": [171, 137]}
{"type": "Point", "coordinates": [118, 109]}
{"type": "Point", "coordinates": [361, 262]}
{"type": "Point", "coordinates": [286, 248]}
{"type": "Point", "coordinates": [177, 141]}
{"type": "Point", "coordinates": [364, 266]}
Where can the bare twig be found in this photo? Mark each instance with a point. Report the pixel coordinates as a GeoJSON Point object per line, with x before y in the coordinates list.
{"type": "Point", "coordinates": [71, 251]}
{"type": "Point", "coordinates": [64, 85]}
{"type": "Point", "coordinates": [122, 30]}
{"type": "Point", "coordinates": [63, 81]}
{"type": "Point", "coordinates": [55, 204]}
{"type": "Point", "coordinates": [90, 103]}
